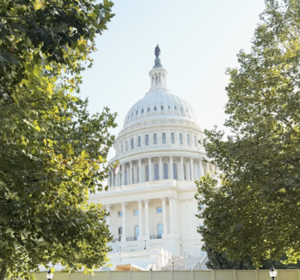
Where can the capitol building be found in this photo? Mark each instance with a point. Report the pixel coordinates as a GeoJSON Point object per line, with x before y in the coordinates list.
{"type": "Point", "coordinates": [151, 193]}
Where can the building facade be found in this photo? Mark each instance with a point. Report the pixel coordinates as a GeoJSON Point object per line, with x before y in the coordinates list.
{"type": "Point", "coordinates": [151, 193]}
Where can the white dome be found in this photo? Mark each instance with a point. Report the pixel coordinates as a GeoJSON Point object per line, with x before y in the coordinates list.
{"type": "Point", "coordinates": [159, 103]}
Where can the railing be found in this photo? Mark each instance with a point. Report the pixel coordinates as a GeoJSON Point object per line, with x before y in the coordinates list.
{"type": "Point", "coordinates": [155, 236]}
{"type": "Point", "coordinates": [131, 238]}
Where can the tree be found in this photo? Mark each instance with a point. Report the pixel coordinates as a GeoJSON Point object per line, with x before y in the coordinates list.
{"type": "Point", "coordinates": [251, 208]}
{"type": "Point", "coordinates": [53, 152]}
{"type": "Point", "coordinates": [219, 261]}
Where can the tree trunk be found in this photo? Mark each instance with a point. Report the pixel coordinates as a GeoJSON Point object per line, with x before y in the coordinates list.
{"type": "Point", "coordinates": [3, 272]}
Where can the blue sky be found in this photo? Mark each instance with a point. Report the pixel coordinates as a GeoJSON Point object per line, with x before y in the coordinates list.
{"type": "Point", "coordinates": [198, 40]}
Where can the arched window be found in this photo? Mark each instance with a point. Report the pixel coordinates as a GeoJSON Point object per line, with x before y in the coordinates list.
{"type": "Point", "coordinates": [175, 171]}
{"type": "Point", "coordinates": [166, 176]}
{"type": "Point", "coordinates": [156, 172]}
{"type": "Point", "coordinates": [162, 107]}
{"type": "Point", "coordinates": [180, 138]}
{"type": "Point", "coordinates": [154, 138]}
{"type": "Point", "coordinates": [147, 140]}
{"type": "Point", "coordinates": [155, 108]}
{"type": "Point", "coordinates": [160, 230]}
{"type": "Point", "coordinates": [137, 111]}
{"type": "Point", "coordinates": [137, 175]}
{"type": "Point", "coordinates": [139, 141]}
{"type": "Point", "coordinates": [184, 172]}
{"type": "Point", "coordinates": [169, 107]}
{"type": "Point", "coordinates": [142, 111]}
{"type": "Point", "coordinates": [175, 107]}
{"type": "Point", "coordinates": [147, 173]}
{"type": "Point", "coordinates": [195, 140]}
{"type": "Point", "coordinates": [122, 148]}
{"type": "Point", "coordinates": [188, 140]}
{"type": "Point", "coordinates": [172, 138]}
{"type": "Point", "coordinates": [132, 143]}
{"type": "Point", "coordinates": [164, 138]}
{"type": "Point", "coordinates": [126, 146]}
{"type": "Point", "coordinates": [126, 178]}
{"type": "Point", "coordinates": [148, 109]}
{"type": "Point", "coordinates": [136, 232]}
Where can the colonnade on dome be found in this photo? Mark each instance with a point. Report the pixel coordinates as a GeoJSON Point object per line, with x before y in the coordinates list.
{"type": "Point", "coordinates": [154, 168]}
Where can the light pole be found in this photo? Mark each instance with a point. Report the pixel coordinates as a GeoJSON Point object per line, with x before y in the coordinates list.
{"type": "Point", "coordinates": [173, 264]}
{"type": "Point", "coordinates": [49, 275]}
{"type": "Point", "coordinates": [273, 273]}
{"type": "Point", "coordinates": [145, 244]}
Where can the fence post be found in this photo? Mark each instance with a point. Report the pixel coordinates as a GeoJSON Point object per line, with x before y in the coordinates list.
{"type": "Point", "coordinates": [234, 275]}
{"type": "Point", "coordinates": [213, 275]}
{"type": "Point", "coordinates": [298, 273]}
{"type": "Point", "coordinates": [256, 274]}
{"type": "Point", "coordinates": [192, 275]}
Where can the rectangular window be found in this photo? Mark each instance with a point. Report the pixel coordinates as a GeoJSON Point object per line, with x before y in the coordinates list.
{"type": "Point", "coordinates": [120, 214]}
{"type": "Point", "coordinates": [156, 172]}
{"type": "Point", "coordinates": [158, 210]}
{"type": "Point", "coordinates": [135, 212]}
{"type": "Point", "coordinates": [166, 171]}
{"type": "Point", "coordinates": [147, 173]}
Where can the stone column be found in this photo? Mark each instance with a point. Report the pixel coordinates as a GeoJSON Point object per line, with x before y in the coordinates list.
{"type": "Point", "coordinates": [117, 180]}
{"type": "Point", "coordinates": [140, 171]}
{"type": "Point", "coordinates": [171, 168]}
{"type": "Point", "coordinates": [123, 222]}
{"type": "Point", "coordinates": [123, 174]}
{"type": "Point", "coordinates": [130, 173]}
{"type": "Point", "coordinates": [176, 216]}
{"type": "Point", "coordinates": [192, 169]}
{"type": "Point", "coordinates": [147, 219]}
{"type": "Point", "coordinates": [171, 213]}
{"type": "Point", "coordinates": [150, 170]}
{"type": "Point", "coordinates": [141, 235]}
{"type": "Point", "coordinates": [181, 169]}
{"type": "Point", "coordinates": [161, 170]}
{"type": "Point", "coordinates": [165, 221]}
{"type": "Point", "coordinates": [108, 179]}
{"type": "Point", "coordinates": [112, 179]}
{"type": "Point", "coordinates": [187, 170]}
{"type": "Point", "coordinates": [195, 171]}
{"type": "Point", "coordinates": [136, 175]}
{"type": "Point", "coordinates": [201, 168]}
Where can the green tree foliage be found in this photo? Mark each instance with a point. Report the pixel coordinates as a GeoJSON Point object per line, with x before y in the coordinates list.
{"type": "Point", "coordinates": [252, 211]}
{"type": "Point", "coordinates": [220, 261]}
{"type": "Point", "coordinates": [52, 151]}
